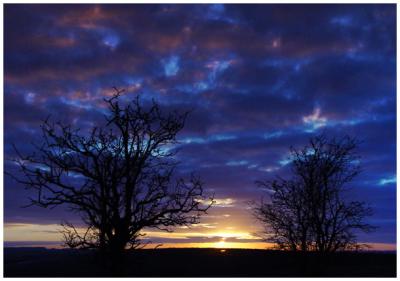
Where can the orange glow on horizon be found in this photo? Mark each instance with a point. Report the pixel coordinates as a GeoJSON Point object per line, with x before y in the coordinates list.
{"type": "Point", "coordinates": [216, 245]}
{"type": "Point", "coordinates": [19, 232]}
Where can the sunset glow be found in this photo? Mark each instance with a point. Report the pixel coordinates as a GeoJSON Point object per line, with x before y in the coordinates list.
{"type": "Point", "coordinates": [50, 236]}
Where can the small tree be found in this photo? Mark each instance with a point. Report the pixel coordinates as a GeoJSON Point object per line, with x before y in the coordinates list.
{"type": "Point", "coordinates": [310, 212]}
{"type": "Point", "coordinates": [119, 177]}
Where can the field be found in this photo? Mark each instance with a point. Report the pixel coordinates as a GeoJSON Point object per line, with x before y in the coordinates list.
{"type": "Point", "coordinates": [41, 262]}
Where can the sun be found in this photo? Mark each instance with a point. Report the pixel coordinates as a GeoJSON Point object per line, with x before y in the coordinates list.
{"type": "Point", "coordinates": [221, 244]}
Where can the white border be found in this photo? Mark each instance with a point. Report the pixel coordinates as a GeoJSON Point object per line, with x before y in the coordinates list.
{"type": "Point", "coordinates": [181, 2]}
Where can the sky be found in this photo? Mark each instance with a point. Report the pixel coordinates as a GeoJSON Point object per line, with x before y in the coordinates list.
{"type": "Point", "coordinates": [256, 78]}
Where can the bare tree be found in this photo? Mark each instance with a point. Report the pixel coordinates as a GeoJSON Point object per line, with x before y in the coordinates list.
{"type": "Point", "coordinates": [310, 211]}
{"type": "Point", "coordinates": [119, 177]}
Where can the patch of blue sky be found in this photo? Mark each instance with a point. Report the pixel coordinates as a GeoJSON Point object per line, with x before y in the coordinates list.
{"type": "Point", "coordinates": [216, 67]}
{"type": "Point", "coordinates": [382, 220]}
{"type": "Point", "coordinates": [171, 65]}
{"type": "Point", "coordinates": [383, 117]}
{"type": "Point", "coordinates": [109, 37]}
{"type": "Point", "coordinates": [75, 175]}
{"type": "Point", "coordinates": [234, 163]}
{"type": "Point", "coordinates": [220, 67]}
{"type": "Point", "coordinates": [111, 40]}
{"type": "Point", "coordinates": [209, 165]}
{"type": "Point", "coordinates": [223, 137]}
{"type": "Point", "coordinates": [273, 135]}
{"type": "Point", "coordinates": [217, 12]}
{"type": "Point", "coordinates": [167, 149]}
{"type": "Point", "coordinates": [348, 122]}
{"type": "Point", "coordinates": [30, 97]}
{"type": "Point", "coordinates": [193, 88]}
{"type": "Point", "coordinates": [285, 161]}
{"type": "Point", "coordinates": [279, 85]}
{"type": "Point", "coordinates": [314, 121]}
{"type": "Point", "coordinates": [147, 94]}
{"type": "Point", "coordinates": [289, 94]}
{"type": "Point", "coordinates": [76, 103]}
{"type": "Point", "coordinates": [212, 138]}
{"type": "Point", "coordinates": [382, 101]}
{"type": "Point", "coordinates": [388, 180]}
{"type": "Point", "coordinates": [130, 80]}
{"type": "Point", "coordinates": [310, 151]}
{"type": "Point", "coordinates": [187, 88]}
{"type": "Point", "coordinates": [360, 120]}
{"type": "Point", "coordinates": [294, 66]}
{"type": "Point", "coordinates": [190, 140]}
{"type": "Point", "coordinates": [342, 20]}
{"type": "Point", "coordinates": [252, 166]}
{"type": "Point", "coordinates": [269, 169]}
{"type": "Point", "coordinates": [28, 130]}
{"type": "Point", "coordinates": [201, 86]}
{"type": "Point", "coordinates": [217, 8]}
{"type": "Point", "coordinates": [40, 167]}
{"type": "Point", "coordinates": [355, 55]}
{"type": "Point", "coordinates": [313, 127]}
{"type": "Point", "coordinates": [294, 63]}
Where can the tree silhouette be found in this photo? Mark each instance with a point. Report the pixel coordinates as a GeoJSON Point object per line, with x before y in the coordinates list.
{"type": "Point", "coordinates": [119, 177]}
{"type": "Point", "coordinates": [310, 211]}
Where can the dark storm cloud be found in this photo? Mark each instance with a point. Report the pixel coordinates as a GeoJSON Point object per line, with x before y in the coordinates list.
{"type": "Point", "coordinates": [256, 78]}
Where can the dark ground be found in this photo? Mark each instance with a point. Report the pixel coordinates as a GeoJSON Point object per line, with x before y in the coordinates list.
{"type": "Point", "coordinates": [40, 262]}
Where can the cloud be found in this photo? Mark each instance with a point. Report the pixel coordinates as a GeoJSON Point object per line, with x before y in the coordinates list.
{"type": "Point", "coordinates": [315, 120]}
{"type": "Point", "coordinates": [220, 202]}
{"type": "Point", "coordinates": [171, 66]}
{"type": "Point", "coordinates": [385, 181]}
